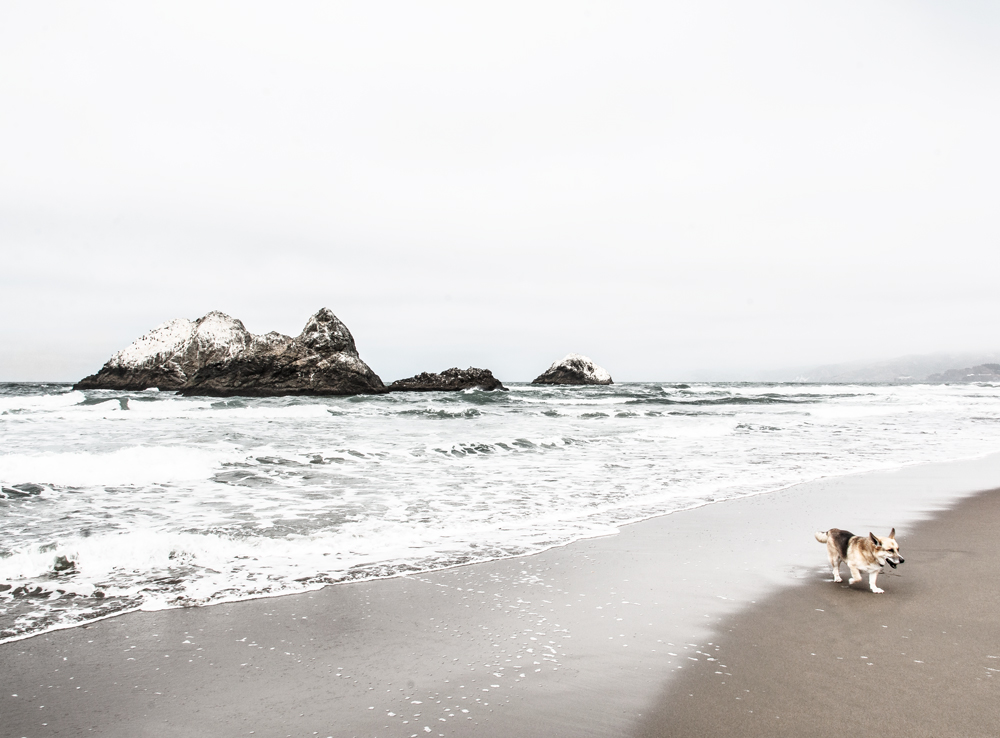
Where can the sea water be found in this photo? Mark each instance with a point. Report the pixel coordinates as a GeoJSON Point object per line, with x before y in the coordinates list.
{"type": "Point", "coordinates": [116, 501]}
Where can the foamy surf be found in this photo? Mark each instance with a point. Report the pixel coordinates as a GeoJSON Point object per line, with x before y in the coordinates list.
{"type": "Point", "coordinates": [115, 501]}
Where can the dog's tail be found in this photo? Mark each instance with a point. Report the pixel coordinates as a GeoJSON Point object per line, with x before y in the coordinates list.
{"type": "Point", "coordinates": [821, 536]}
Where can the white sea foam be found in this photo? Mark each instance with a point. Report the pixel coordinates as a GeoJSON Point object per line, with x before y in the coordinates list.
{"type": "Point", "coordinates": [39, 402]}
{"type": "Point", "coordinates": [135, 466]}
{"type": "Point", "coordinates": [155, 500]}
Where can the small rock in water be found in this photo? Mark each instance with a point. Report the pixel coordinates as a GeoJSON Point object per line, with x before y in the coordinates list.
{"type": "Point", "coordinates": [450, 380]}
{"type": "Point", "coordinates": [22, 490]}
{"type": "Point", "coordinates": [64, 564]}
{"type": "Point", "coordinates": [574, 369]}
{"type": "Point", "coordinates": [24, 591]}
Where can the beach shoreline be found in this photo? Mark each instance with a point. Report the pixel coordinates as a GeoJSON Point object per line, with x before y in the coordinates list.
{"type": "Point", "coordinates": [584, 639]}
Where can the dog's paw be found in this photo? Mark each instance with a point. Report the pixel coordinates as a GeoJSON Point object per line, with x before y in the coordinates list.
{"type": "Point", "coordinates": [852, 580]}
{"type": "Point", "coordinates": [877, 590]}
{"type": "Point", "coordinates": [835, 579]}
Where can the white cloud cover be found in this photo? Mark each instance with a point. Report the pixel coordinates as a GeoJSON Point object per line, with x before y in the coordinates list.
{"type": "Point", "coordinates": [673, 189]}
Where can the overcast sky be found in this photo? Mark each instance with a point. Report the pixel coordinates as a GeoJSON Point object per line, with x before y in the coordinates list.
{"type": "Point", "coordinates": [676, 189]}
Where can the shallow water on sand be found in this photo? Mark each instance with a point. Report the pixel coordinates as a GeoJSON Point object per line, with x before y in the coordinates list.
{"type": "Point", "coordinates": [113, 501]}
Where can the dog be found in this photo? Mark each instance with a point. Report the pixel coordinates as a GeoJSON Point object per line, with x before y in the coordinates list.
{"type": "Point", "coordinates": [862, 553]}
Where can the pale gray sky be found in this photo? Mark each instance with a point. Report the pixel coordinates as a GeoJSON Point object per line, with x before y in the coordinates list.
{"type": "Point", "coordinates": [675, 189]}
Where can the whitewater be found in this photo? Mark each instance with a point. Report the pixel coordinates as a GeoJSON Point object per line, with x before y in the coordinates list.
{"type": "Point", "coordinates": [116, 501]}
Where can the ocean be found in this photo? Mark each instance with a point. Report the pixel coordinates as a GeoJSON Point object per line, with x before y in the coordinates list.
{"type": "Point", "coordinates": [118, 501]}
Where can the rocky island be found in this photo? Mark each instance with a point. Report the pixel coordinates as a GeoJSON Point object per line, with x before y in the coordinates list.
{"type": "Point", "coordinates": [450, 380]}
{"type": "Point", "coordinates": [217, 356]}
{"type": "Point", "coordinates": [574, 369]}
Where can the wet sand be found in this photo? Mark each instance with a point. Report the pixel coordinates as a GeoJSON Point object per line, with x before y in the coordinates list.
{"type": "Point", "coordinates": [598, 638]}
{"type": "Point", "coordinates": [829, 659]}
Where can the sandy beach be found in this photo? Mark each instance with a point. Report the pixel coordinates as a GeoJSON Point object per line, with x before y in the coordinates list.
{"type": "Point", "coordinates": [604, 637]}
{"type": "Point", "coordinates": [825, 659]}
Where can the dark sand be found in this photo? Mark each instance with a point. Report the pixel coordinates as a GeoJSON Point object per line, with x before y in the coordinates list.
{"type": "Point", "coordinates": [599, 638]}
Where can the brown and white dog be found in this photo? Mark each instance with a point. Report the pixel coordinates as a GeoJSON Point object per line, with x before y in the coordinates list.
{"type": "Point", "coordinates": [862, 553]}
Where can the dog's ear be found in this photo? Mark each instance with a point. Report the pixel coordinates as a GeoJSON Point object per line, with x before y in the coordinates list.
{"type": "Point", "coordinates": [892, 533]}
{"type": "Point", "coordinates": [875, 539]}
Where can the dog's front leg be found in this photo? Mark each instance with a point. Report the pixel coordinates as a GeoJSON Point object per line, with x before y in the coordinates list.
{"type": "Point", "coordinates": [871, 581]}
{"type": "Point", "coordinates": [855, 574]}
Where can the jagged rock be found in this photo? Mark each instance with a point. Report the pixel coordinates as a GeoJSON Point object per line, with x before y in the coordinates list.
{"type": "Point", "coordinates": [574, 369]}
{"type": "Point", "coordinates": [216, 355]}
{"type": "Point", "coordinates": [170, 354]}
{"type": "Point", "coordinates": [449, 380]}
{"type": "Point", "coordinates": [980, 373]}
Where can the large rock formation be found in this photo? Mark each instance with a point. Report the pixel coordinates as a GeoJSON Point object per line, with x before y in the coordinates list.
{"type": "Point", "coordinates": [573, 369]}
{"type": "Point", "coordinates": [216, 355]}
{"type": "Point", "coordinates": [449, 380]}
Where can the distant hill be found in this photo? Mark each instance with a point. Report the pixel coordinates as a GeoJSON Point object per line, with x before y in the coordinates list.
{"type": "Point", "coordinates": [981, 373]}
{"type": "Point", "coordinates": [921, 368]}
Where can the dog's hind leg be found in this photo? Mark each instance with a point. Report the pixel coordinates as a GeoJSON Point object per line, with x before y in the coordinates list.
{"type": "Point", "coordinates": [871, 581]}
{"type": "Point", "coordinates": [835, 565]}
